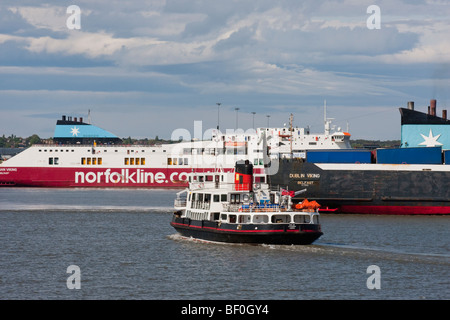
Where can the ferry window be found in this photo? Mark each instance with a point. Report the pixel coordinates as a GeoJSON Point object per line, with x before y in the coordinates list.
{"type": "Point", "coordinates": [232, 218]}
{"type": "Point", "coordinates": [50, 160]}
{"type": "Point", "coordinates": [88, 161]}
{"type": "Point", "coordinates": [56, 161]}
{"type": "Point", "coordinates": [223, 217]}
{"type": "Point", "coordinates": [132, 161]}
{"type": "Point", "coordinates": [138, 161]}
{"type": "Point", "coordinates": [209, 178]}
{"type": "Point", "coordinates": [174, 161]}
{"type": "Point", "coordinates": [223, 198]}
{"type": "Point", "coordinates": [200, 196]}
{"type": "Point", "coordinates": [180, 161]}
{"type": "Point", "coordinates": [201, 178]}
{"type": "Point", "coordinates": [83, 161]}
{"type": "Point", "coordinates": [99, 161]}
{"type": "Point", "coordinates": [186, 161]}
{"type": "Point", "coordinates": [235, 198]}
{"type": "Point", "coordinates": [216, 215]}
{"type": "Point", "coordinates": [94, 160]}
{"type": "Point", "coordinates": [207, 197]}
{"type": "Point", "coordinates": [126, 161]}
{"type": "Point", "coordinates": [143, 161]}
{"type": "Point", "coordinates": [169, 161]}
{"type": "Point", "coordinates": [216, 198]}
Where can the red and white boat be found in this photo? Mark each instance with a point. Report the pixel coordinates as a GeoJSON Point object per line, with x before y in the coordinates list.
{"type": "Point", "coordinates": [84, 155]}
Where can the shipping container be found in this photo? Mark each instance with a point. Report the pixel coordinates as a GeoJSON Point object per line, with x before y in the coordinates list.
{"type": "Point", "coordinates": [339, 156]}
{"type": "Point", "coordinates": [420, 155]}
{"type": "Point", "coordinates": [447, 157]}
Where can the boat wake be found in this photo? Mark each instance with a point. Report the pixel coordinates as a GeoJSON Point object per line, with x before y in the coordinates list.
{"type": "Point", "coordinates": [81, 208]}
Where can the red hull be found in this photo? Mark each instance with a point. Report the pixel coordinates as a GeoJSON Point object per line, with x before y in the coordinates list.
{"type": "Point", "coordinates": [395, 210]}
{"type": "Point", "coordinates": [94, 177]}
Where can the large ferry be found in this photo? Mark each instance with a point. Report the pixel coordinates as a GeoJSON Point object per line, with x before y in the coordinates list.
{"type": "Point", "coordinates": [412, 179]}
{"type": "Point", "coordinates": [236, 207]}
{"type": "Point", "coordinates": [84, 155]}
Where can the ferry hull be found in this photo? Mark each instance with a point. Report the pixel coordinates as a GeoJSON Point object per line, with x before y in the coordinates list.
{"type": "Point", "coordinates": [92, 177]}
{"type": "Point", "coordinates": [283, 234]}
{"type": "Point", "coordinates": [367, 189]}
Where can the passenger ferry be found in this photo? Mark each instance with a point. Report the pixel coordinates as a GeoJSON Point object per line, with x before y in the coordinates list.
{"type": "Point", "coordinates": [84, 155]}
{"type": "Point", "coordinates": [240, 207]}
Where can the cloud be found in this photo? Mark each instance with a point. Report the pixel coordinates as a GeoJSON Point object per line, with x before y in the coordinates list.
{"type": "Point", "coordinates": [262, 56]}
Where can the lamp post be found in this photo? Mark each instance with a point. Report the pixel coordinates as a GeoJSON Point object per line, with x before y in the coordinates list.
{"type": "Point", "coordinates": [218, 106]}
{"type": "Point", "coordinates": [253, 112]}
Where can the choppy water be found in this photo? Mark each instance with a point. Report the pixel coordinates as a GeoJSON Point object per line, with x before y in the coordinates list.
{"type": "Point", "coordinates": [125, 248]}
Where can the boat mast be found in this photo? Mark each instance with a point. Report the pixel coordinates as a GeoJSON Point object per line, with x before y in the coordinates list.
{"type": "Point", "coordinates": [291, 118]}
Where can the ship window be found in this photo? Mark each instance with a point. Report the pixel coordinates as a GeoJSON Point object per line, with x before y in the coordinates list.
{"type": "Point", "coordinates": [94, 160]}
{"type": "Point", "coordinates": [169, 161]}
{"type": "Point", "coordinates": [174, 161]}
{"type": "Point", "coordinates": [223, 198]}
{"type": "Point", "coordinates": [235, 198]}
{"type": "Point", "coordinates": [56, 161]}
{"type": "Point", "coordinates": [209, 178]}
{"type": "Point", "coordinates": [138, 161]}
{"type": "Point", "coordinates": [216, 198]}
{"type": "Point", "coordinates": [50, 160]}
{"type": "Point", "coordinates": [88, 161]}
{"type": "Point", "coordinates": [127, 161]}
{"type": "Point", "coordinates": [132, 161]}
{"type": "Point", "coordinates": [180, 161]}
{"type": "Point", "coordinates": [186, 161]}
{"type": "Point", "coordinates": [83, 161]}
{"type": "Point", "coordinates": [99, 161]}
{"type": "Point", "coordinates": [143, 161]}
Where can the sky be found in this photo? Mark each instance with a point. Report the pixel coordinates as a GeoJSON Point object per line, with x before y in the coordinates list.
{"type": "Point", "coordinates": [147, 68]}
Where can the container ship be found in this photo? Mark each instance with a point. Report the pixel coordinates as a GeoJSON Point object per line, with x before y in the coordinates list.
{"type": "Point", "coordinates": [85, 155]}
{"type": "Point", "coordinates": [411, 179]}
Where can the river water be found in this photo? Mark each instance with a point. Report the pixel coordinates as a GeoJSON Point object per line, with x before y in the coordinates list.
{"type": "Point", "coordinates": [123, 247]}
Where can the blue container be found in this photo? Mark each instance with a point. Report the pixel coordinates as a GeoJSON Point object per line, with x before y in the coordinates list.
{"type": "Point", "coordinates": [447, 157]}
{"type": "Point", "coordinates": [339, 156]}
{"type": "Point", "coordinates": [423, 155]}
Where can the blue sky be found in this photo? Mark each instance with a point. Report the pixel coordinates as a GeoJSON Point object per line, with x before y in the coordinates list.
{"type": "Point", "coordinates": [146, 68]}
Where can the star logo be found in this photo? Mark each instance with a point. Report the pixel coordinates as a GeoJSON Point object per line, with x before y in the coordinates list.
{"type": "Point", "coordinates": [75, 131]}
{"type": "Point", "coordinates": [430, 141]}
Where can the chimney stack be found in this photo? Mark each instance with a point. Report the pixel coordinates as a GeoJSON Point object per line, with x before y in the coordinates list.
{"type": "Point", "coordinates": [411, 105]}
{"type": "Point", "coordinates": [433, 107]}
{"type": "Point", "coordinates": [444, 114]}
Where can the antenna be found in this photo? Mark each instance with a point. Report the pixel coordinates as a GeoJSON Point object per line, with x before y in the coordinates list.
{"type": "Point", "coordinates": [327, 121]}
{"type": "Point", "coordinates": [89, 116]}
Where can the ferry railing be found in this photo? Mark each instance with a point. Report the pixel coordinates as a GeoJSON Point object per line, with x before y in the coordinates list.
{"type": "Point", "coordinates": [180, 203]}
{"type": "Point", "coordinates": [254, 208]}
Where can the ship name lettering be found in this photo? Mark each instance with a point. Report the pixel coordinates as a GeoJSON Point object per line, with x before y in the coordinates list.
{"type": "Point", "coordinates": [126, 176]}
